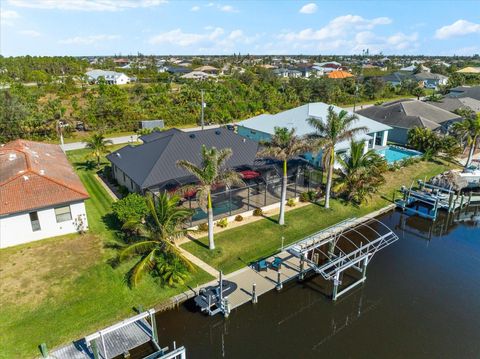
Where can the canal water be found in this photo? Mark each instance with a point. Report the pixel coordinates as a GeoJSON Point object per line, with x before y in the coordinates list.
{"type": "Point", "coordinates": [421, 299]}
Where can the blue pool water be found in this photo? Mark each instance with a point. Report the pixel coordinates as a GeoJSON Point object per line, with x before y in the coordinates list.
{"type": "Point", "coordinates": [222, 207]}
{"type": "Point", "coordinates": [394, 154]}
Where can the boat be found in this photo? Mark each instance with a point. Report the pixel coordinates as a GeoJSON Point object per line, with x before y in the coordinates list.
{"type": "Point", "coordinates": [210, 296]}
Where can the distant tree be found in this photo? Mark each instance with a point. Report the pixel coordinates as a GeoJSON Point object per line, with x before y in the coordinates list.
{"type": "Point", "coordinates": [419, 92]}
{"type": "Point", "coordinates": [97, 146]}
{"type": "Point", "coordinates": [130, 208]}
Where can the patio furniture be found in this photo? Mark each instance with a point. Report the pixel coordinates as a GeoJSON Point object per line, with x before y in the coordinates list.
{"type": "Point", "coordinates": [277, 263]}
{"type": "Point", "coordinates": [262, 265]}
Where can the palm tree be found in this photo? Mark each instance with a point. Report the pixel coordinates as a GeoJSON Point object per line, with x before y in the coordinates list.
{"type": "Point", "coordinates": [284, 146]}
{"type": "Point", "coordinates": [158, 232]}
{"type": "Point", "coordinates": [212, 172]}
{"type": "Point", "coordinates": [362, 173]}
{"type": "Point", "coordinates": [469, 130]}
{"type": "Point", "coordinates": [97, 144]}
{"type": "Point", "coordinates": [336, 128]}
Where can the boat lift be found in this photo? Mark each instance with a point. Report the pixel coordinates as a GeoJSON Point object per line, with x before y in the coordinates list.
{"type": "Point", "coordinates": [348, 244]}
{"type": "Point", "coordinates": [119, 339]}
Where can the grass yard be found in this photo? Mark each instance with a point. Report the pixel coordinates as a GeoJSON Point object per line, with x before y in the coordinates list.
{"type": "Point", "coordinates": [239, 246]}
{"type": "Point", "coordinates": [60, 289]}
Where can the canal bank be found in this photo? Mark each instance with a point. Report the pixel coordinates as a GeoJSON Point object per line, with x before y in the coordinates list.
{"type": "Point", "coordinates": [420, 301]}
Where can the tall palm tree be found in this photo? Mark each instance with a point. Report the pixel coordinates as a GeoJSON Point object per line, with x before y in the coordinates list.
{"type": "Point", "coordinates": [97, 144]}
{"type": "Point", "coordinates": [469, 130]}
{"type": "Point", "coordinates": [283, 146]}
{"type": "Point", "coordinates": [212, 172]}
{"type": "Point", "coordinates": [158, 232]}
{"type": "Point", "coordinates": [361, 173]}
{"type": "Point", "coordinates": [336, 128]}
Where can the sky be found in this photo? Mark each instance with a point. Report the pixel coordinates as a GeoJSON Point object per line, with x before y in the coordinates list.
{"type": "Point", "coordinates": [161, 27]}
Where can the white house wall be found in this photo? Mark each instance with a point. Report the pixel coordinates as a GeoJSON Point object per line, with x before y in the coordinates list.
{"type": "Point", "coordinates": [17, 228]}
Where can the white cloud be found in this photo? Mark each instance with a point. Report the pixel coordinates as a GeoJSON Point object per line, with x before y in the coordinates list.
{"type": "Point", "coordinates": [30, 33]}
{"type": "Point", "coordinates": [458, 28]}
{"type": "Point", "coordinates": [401, 41]}
{"type": "Point", "coordinates": [339, 27]}
{"type": "Point", "coordinates": [88, 40]}
{"type": "Point", "coordinates": [7, 17]}
{"type": "Point", "coordinates": [195, 8]}
{"type": "Point", "coordinates": [309, 8]}
{"type": "Point", "coordinates": [178, 37]}
{"type": "Point", "coordinates": [228, 8]}
{"type": "Point", "coordinates": [86, 5]}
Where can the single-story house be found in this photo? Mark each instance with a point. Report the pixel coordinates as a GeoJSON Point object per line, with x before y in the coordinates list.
{"type": "Point", "coordinates": [470, 70]}
{"type": "Point", "coordinates": [424, 79]}
{"type": "Point", "coordinates": [465, 91]}
{"type": "Point", "coordinates": [208, 69]}
{"type": "Point", "coordinates": [110, 77]}
{"type": "Point", "coordinates": [262, 127]}
{"type": "Point", "coordinates": [41, 196]}
{"type": "Point", "coordinates": [197, 75]}
{"type": "Point", "coordinates": [403, 115]}
{"type": "Point", "coordinates": [287, 73]}
{"type": "Point", "coordinates": [456, 103]}
{"type": "Point", "coordinates": [153, 164]}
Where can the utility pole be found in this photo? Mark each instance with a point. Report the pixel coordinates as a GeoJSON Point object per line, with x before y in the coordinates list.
{"type": "Point", "coordinates": [60, 129]}
{"type": "Point", "coordinates": [203, 106]}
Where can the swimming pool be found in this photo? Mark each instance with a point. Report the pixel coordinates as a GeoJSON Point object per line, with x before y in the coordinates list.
{"type": "Point", "coordinates": [393, 154]}
{"type": "Point", "coordinates": [218, 208]}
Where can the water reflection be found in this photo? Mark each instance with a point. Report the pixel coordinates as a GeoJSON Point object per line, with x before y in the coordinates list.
{"type": "Point", "coordinates": [420, 300]}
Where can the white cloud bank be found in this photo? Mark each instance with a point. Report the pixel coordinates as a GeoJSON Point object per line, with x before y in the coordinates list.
{"type": "Point", "coordinates": [458, 28]}
{"type": "Point", "coordinates": [309, 8]}
{"type": "Point", "coordinates": [7, 17]}
{"type": "Point", "coordinates": [30, 33]}
{"type": "Point", "coordinates": [88, 40]}
{"type": "Point", "coordinates": [86, 5]}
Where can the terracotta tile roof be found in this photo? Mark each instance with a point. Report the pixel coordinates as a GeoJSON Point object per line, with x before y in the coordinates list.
{"type": "Point", "coordinates": [36, 175]}
{"type": "Point", "coordinates": [339, 74]}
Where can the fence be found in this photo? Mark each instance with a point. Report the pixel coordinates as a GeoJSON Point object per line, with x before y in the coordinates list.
{"type": "Point", "coordinates": [261, 193]}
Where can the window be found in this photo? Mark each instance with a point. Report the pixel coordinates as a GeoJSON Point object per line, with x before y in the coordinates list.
{"type": "Point", "coordinates": [34, 221]}
{"type": "Point", "coordinates": [63, 214]}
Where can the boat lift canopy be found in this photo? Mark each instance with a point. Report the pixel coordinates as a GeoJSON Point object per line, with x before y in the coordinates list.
{"type": "Point", "coordinates": [348, 244]}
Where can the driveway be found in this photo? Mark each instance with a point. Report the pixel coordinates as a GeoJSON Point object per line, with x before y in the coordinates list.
{"type": "Point", "coordinates": [116, 140]}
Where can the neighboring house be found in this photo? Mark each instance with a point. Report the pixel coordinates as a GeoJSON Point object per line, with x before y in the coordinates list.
{"type": "Point", "coordinates": [470, 70]}
{"type": "Point", "coordinates": [339, 74]}
{"type": "Point", "coordinates": [262, 127]}
{"type": "Point", "coordinates": [465, 91]}
{"type": "Point", "coordinates": [207, 69]}
{"type": "Point", "coordinates": [287, 73]}
{"type": "Point", "coordinates": [197, 75]}
{"type": "Point", "coordinates": [110, 77]}
{"type": "Point", "coordinates": [453, 103]}
{"type": "Point", "coordinates": [413, 67]}
{"type": "Point", "coordinates": [430, 80]}
{"type": "Point", "coordinates": [328, 66]}
{"type": "Point", "coordinates": [177, 70]}
{"type": "Point", "coordinates": [403, 115]}
{"type": "Point", "coordinates": [396, 78]}
{"type": "Point", "coordinates": [41, 196]}
{"type": "Point", "coordinates": [153, 165]}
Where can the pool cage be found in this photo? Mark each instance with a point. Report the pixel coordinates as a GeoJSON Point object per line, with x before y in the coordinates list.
{"type": "Point", "coordinates": [263, 186]}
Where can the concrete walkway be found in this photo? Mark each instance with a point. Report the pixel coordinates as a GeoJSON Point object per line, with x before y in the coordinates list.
{"type": "Point", "coordinates": [198, 262]}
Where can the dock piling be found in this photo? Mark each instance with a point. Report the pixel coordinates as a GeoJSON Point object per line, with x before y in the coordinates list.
{"type": "Point", "coordinates": [254, 294]}
{"type": "Point", "coordinates": [279, 281]}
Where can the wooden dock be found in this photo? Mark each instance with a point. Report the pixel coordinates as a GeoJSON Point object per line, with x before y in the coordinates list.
{"type": "Point", "coordinates": [264, 281]}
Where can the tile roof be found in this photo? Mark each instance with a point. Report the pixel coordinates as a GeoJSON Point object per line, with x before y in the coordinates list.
{"type": "Point", "coordinates": [339, 74]}
{"type": "Point", "coordinates": [36, 175]}
{"type": "Point", "coordinates": [155, 161]}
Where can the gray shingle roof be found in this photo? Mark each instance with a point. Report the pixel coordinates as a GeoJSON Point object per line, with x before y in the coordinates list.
{"type": "Point", "coordinates": [465, 91]}
{"type": "Point", "coordinates": [409, 113]}
{"type": "Point", "coordinates": [155, 161]}
{"type": "Point", "coordinates": [451, 104]}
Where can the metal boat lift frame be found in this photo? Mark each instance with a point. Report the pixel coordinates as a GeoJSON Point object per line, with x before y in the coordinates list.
{"type": "Point", "coordinates": [338, 260]}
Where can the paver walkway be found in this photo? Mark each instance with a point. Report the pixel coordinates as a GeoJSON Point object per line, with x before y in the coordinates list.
{"type": "Point", "coordinates": [198, 262]}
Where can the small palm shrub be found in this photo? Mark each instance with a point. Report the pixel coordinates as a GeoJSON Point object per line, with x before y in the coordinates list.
{"type": "Point", "coordinates": [258, 212]}
{"type": "Point", "coordinates": [291, 202]}
{"type": "Point", "coordinates": [222, 223]}
{"type": "Point", "coordinates": [203, 227]}
{"type": "Point", "coordinates": [238, 218]}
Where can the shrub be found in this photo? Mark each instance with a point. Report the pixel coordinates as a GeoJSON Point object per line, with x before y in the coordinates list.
{"type": "Point", "coordinates": [203, 227]}
{"type": "Point", "coordinates": [309, 196]}
{"type": "Point", "coordinates": [222, 223]}
{"type": "Point", "coordinates": [304, 197]}
{"type": "Point", "coordinates": [124, 192]}
{"type": "Point", "coordinates": [238, 218]}
{"type": "Point", "coordinates": [291, 202]}
{"type": "Point", "coordinates": [258, 212]}
{"type": "Point", "coordinates": [132, 207]}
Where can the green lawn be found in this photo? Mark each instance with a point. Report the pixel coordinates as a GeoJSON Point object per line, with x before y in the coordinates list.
{"type": "Point", "coordinates": [239, 246]}
{"type": "Point", "coordinates": [60, 289]}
